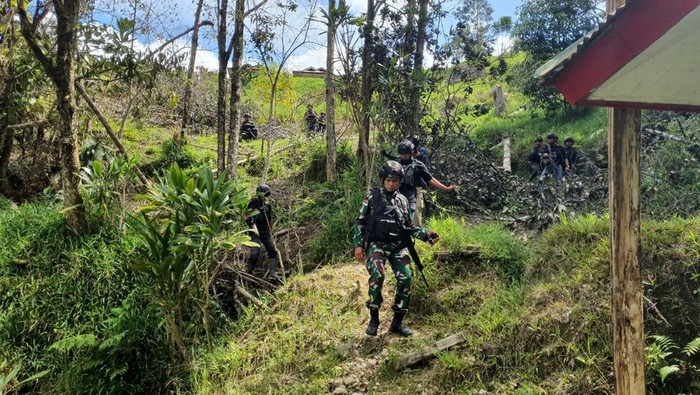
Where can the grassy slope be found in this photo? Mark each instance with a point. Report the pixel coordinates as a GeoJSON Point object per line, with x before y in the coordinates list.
{"type": "Point", "coordinates": [547, 334]}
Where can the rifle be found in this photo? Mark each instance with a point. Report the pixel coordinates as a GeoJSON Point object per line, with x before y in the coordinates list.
{"type": "Point", "coordinates": [406, 241]}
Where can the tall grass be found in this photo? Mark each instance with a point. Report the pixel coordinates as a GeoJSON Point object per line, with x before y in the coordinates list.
{"type": "Point", "coordinates": [78, 294]}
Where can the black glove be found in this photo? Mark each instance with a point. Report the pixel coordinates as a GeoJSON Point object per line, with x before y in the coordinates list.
{"type": "Point", "coordinates": [432, 238]}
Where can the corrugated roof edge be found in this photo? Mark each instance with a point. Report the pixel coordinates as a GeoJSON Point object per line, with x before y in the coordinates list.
{"type": "Point", "coordinates": [550, 69]}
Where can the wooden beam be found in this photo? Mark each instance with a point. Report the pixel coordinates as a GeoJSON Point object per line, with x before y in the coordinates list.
{"type": "Point", "coordinates": [625, 248]}
{"type": "Point", "coordinates": [429, 352]}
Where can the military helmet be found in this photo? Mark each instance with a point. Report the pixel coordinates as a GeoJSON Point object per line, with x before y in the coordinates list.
{"type": "Point", "coordinates": [406, 147]}
{"type": "Point", "coordinates": [263, 189]}
{"type": "Point", "coordinates": [392, 169]}
{"type": "Point", "coordinates": [552, 136]}
{"type": "Point", "coordinates": [569, 138]}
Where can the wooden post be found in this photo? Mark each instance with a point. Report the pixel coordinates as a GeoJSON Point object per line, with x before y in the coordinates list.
{"type": "Point", "coordinates": [625, 248]}
{"type": "Point", "coordinates": [625, 245]}
{"type": "Point", "coordinates": [506, 155]}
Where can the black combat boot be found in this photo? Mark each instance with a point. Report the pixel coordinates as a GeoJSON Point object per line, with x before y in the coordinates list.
{"type": "Point", "coordinates": [373, 322]}
{"type": "Point", "coordinates": [272, 271]}
{"type": "Point", "coordinates": [396, 325]}
{"type": "Point", "coordinates": [250, 266]}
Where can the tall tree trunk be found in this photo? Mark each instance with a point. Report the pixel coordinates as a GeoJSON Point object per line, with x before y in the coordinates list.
{"type": "Point", "coordinates": [236, 87]}
{"type": "Point", "coordinates": [6, 141]}
{"type": "Point", "coordinates": [367, 88]}
{"type": "Point", "coordinates": [67, 13]}
{"type": "Point", "coordinates": [330, 99]}
{"type": "Point", "coordinates": [409, 43]}
{"type": "Point", "coordinates": [417, 90]}
{"type": "Point", "coordinates": [270, 125]}
{"type": "Point", "coordinates": [221, 91]}
{"type": "Point", "coordinates": [187, 99]}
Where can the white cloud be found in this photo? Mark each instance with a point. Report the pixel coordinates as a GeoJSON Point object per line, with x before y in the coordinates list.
{"type": "Point", "coordinates": [315, 57]}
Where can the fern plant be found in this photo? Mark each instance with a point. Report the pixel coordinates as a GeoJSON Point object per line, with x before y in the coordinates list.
{"type": "Point", "coordinates": [665, 360]}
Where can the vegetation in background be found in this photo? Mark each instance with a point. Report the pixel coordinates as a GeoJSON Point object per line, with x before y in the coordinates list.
{"type": "Point", "coordinates": [71, 307]}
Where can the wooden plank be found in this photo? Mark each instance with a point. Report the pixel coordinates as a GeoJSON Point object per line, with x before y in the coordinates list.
{"type": "Point", "coordinates": [429, 352]}
{"type": "Point", "coordinates": [625, 249]}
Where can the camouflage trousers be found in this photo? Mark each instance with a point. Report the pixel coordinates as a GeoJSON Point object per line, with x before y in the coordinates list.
{"type": "Point", "coordinates": [377, 255]}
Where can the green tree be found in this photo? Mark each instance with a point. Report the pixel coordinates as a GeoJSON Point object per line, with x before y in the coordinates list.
{"type": "Point", "coordinates": [476, 17]}
{"type": "Point", "coordinates": [545, 28]}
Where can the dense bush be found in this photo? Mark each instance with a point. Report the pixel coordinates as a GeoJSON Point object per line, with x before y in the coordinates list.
{"type": "Point", "coordinates": [316, 160]}
{"type": "Point", "coordinates": [71, 305]}
{"type": "Point", "coordinates": [173, 151]}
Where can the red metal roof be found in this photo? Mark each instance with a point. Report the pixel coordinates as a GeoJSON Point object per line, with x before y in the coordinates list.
{"type": "Point", "coordinates": [645, 55]}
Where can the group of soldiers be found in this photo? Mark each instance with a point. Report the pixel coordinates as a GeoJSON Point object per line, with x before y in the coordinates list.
{"type": "Point", "coordinates": [315, 124]}
{"type": "Point", "coordinates": [384, 230]}
{"type": "Point", "coordinates": [551, 158]}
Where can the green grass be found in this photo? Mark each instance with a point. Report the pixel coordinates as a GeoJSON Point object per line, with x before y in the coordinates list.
{"type": "Point", "coordinates": [548, 332]}
{"type": "Point", "coordinates": [55, 285]}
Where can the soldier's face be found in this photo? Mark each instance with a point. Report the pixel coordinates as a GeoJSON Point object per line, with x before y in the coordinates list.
{"type": "Point", "coordinates": [405, 156]}
{"type": "Point", "coordinates": [391, 184]}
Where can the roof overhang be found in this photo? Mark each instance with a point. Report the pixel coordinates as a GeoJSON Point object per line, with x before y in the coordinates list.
{"type": "Point", "coordinates": [645, 55]}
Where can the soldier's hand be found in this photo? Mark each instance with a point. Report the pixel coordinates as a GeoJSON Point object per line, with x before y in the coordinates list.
{"type": "Point", "coordinates": [433, 238]}
{"type": "Point", "coordinates": [452, 188]}
{"type": "Point", "coordinates": [360, 254]}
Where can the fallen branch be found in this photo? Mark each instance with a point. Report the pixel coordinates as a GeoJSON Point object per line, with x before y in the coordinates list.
{"type": "Point", "coordinates": [653, 307]}
{"type": "Point", "coordinates": [669, 136]}
{"type": "Point", "coordinates": [27, 125]}
{"type": "Point", "coordinates": [285, 231]}
{"type": "Point", "coordinates": [248, 296]}
{"type": "Point", "coordinates": [429, 352]}
{"type": "Point", "coordinates": [108, 129]}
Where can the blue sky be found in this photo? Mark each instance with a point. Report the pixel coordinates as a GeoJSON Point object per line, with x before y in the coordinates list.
{"type": "Point", "coordinates": [181, 16]}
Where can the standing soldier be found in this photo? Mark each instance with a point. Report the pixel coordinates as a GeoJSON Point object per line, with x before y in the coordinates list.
{"type": "Point", "coordinates": [570, 156]}
{"type": "Point", "coordinates": [248, 129]}
{"type": "Point", "coordinates": [261, 232]}
{"type": "Point", "coordinates": [311, 119]}
{"type": "Point", "coordinates": [415, 175]}
{"type": "Point", "coordinates": [382, 222]}
{"type": "Point", "coordinates": [552, 162]}
{"type": "Point", "coordinates": [535, 158]}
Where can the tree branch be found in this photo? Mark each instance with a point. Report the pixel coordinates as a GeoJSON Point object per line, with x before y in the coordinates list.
{"type": "Point", "coordinates": [108, 129]}
{"type": "Point", "coordinates": [28, 32]}
{"type": "Point", "coordinates": [27, 125]}
{"type": "Point", "coordinates": [165, 44]}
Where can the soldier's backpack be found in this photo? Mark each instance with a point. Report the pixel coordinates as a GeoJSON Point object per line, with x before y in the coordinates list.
{"type": "Point", "coordinates": [384, 222]}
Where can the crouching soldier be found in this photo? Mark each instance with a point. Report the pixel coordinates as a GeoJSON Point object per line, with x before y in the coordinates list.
{"type": "Point", "coordinates": [382, 224]}
{"type": "Point", "coordinates": [262, 223]}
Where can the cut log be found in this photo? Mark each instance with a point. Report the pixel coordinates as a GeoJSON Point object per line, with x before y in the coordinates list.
{"type": "Point", "coordinates": [429, 352]}
{"type": "Point", "coordinates": [506, 155]}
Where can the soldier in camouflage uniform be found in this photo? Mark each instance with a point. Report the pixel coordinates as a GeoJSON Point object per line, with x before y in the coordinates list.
{"type": "Point", "coordinates": [383, 216]}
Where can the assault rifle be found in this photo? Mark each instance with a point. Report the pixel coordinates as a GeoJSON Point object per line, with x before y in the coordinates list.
{"type": "Point", "coordinates": [406, 241]}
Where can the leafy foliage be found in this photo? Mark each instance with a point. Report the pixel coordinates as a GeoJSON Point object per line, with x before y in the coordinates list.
{"type": "Point", "coordinates": [105, 187]}
{"type": "Point", "coordinates": [542, 30]}
{"type": "Point", "coordinates": [191, 219]}
{"type": "Point", "coordinates": [78, 294]}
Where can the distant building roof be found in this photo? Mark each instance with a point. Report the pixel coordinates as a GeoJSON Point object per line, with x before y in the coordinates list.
{"type": "Point", "coordinates": [310, 72]}
{"type": "Point", "coordinates": [645, 55]}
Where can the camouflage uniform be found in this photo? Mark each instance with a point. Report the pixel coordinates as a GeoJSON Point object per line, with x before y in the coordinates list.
{"type": "Point", "coordinates": [378, 252]}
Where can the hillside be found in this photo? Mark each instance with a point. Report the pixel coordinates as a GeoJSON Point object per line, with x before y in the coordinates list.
{"type": "Point", "coordinates": [547, 332]}
{"type": "Point", "coordinates": [79, 314]}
